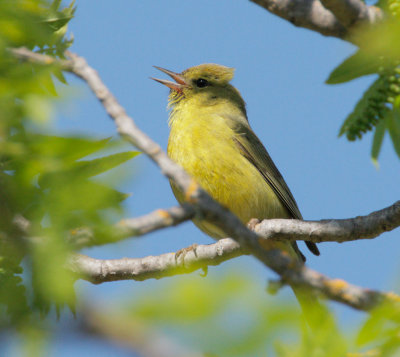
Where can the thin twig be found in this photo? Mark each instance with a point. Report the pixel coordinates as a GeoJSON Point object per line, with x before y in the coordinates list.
{"type": "Point", "coordinates": [132, 227]}
{"type": "Point", "coordinates": [332, 230]}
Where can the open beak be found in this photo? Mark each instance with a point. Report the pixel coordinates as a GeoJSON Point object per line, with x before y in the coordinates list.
{"type": "Point", "coordinates": [178, 78]}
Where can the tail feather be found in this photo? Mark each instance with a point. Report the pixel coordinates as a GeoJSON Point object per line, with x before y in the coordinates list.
{"type": "Point", "coordinates": [315, 313]}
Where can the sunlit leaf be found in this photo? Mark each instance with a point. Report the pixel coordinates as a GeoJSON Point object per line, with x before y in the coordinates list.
{"type": "Point", "coordinates": [60, 76]}
{"type": "Point", "coordinates": [357, 65]}
{"type": "Point", "coordinates": [69, 149]}
{"type": "Point", "coordinates": [381, 40]}
{"type": "Point", "coordinates": [81, 170]}
{"type": "Point", "coordinates": [38, 108]}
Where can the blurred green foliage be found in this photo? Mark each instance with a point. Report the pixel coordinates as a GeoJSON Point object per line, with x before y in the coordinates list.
{"type": "Point", "coordinates": [379, 107]}
{"type": "Point", "coordinates": [47, 187]}
{"type": "Point", "coordinates": [230, 314]}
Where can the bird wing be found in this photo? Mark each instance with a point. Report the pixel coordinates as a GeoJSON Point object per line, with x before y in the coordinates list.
{"type": "Point", "coordinates": [254, 151]}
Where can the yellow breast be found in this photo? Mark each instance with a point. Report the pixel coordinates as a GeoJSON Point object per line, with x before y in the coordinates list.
{"type": "Point", "coordinates": [202, 142]}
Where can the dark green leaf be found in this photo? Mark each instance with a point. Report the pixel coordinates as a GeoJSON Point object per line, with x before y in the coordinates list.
{"type": "Point", "coordinates": [393, 125]}
{"type": "Point", "coordinates": [59, 75]}
{"type": "Point", "coordinates": [57, 22]}
{"type": "Point", "coordinates": [67, 148]}
{"type": "Point", "coordinates": [379, 134]}
{"type": "Point", "coordinates": [98, 166]}
{"type": "Point", "coordinates": [84, 169]}
{"type": "Point", "coordinates": [72, 204]}
{"type": "Point", "coordinates": [48, 84]}
{"type": "Point", "coordinates": [55, 5]}
{"type": "Point", "coordinates": [357, 65]}
{"type": "Point", "coordinates": [363, 117]}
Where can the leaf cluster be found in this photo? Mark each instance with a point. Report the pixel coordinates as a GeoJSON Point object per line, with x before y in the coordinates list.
{"type": "Point", "coordinates": [379, 107]}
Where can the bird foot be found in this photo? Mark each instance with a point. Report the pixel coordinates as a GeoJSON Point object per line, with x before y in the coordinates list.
{"type": "Point", "coordinates": [252, 223]}
{"type": "Point", "coordinates": [181, 253]}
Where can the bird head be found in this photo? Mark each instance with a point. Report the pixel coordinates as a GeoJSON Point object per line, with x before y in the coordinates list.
{"type": "Point", "coordinates": [205, 84]}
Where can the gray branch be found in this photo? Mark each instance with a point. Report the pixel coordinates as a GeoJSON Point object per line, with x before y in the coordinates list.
{"type": "Point", "coordinates": [291, 272]}
{"type": "Point", "coordinates": [99, 271]}
{"type": "Point", "coordinates": [333, 230]}
{"type": "Point", "coordinates": [352, 12]}
{"type": "Point", "coordinates": [328, 17]}
{"type": "Point", "coordinates": [160, 218]}
{"type": "Point", "coordinates": [154, 267]}
{"type": "Point", "coordinates": [132, 227]}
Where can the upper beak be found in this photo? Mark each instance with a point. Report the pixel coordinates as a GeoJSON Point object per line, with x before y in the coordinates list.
{"type": "Point", "coordinates": [178, 78]}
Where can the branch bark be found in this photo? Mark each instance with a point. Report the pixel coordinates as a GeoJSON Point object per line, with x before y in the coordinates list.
{"type": "Point", "coordinates": [133, 227]}
{"type": "Point", "coordinates": [334, 18]}
{"type": "Point", "coordinates": [153, 267]}
{"type": "Point", "coordinates": [352, 12]}
{"type": "Point", "coordinates": [99, 271]}
{"type": "Point", "coordinates": [333, 230]}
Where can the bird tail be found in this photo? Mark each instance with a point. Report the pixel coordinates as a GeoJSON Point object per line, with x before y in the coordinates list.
{"type": "Point", "coordinates": [315, 313]}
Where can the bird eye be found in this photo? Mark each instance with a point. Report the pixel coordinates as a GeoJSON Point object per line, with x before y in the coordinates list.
{"type": "Point", "coordinates": [201, 83]}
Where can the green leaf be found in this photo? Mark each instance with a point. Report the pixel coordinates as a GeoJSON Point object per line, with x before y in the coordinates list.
{"type": "Point", "coordinates": [59, 75]}
{"type": "Point", "coordinates": [357, 65]}
{"type": "Point", "coordinates": [55, 5]}
{"type": "Point", "coordinates": [57, 22]}
{"type": "Point", "coordinates": [84, 169]}
{"type": "Point", "coordinates": [362, 118]}
{"type": "Point", "coordinates": [48, 84]}
{"type": "Point", "coordinates": [98, 166]}
{"type": "Point", "coordinates": [38, 108]}
{"type": "Point", "coordinates": [393, 125]}
{"type": "Point", "coordinates": [379, 134]}
{"type": "Point", "coordinates": [72, 204]}
{"type": "Point", "coordinates": [66, 148]}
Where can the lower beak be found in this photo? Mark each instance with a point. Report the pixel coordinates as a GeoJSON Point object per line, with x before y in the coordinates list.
{"type": "Point", "coordinates": [178, 78]}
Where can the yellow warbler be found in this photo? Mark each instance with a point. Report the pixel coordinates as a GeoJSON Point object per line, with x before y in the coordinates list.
{"type": "Point", "coordinates": [212, 140]}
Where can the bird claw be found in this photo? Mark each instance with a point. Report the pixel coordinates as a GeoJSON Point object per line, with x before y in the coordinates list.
{"type": "Point", "coordinates": [205, 271]}
{"type": "Point", "coordinates": [252, 223]}
{"type": "Point", "coordinates": [182, 252]}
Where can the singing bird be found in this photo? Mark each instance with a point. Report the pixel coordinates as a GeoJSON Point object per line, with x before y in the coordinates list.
{"type": "Point", "coordinates": [211, 138]}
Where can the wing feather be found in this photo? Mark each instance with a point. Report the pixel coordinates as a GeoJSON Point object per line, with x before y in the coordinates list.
{"type": "Point", "coordinates": [254, 151]}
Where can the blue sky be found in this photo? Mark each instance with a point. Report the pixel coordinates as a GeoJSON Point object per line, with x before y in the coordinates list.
{"type": "Point", "coordinates": [280, 72]}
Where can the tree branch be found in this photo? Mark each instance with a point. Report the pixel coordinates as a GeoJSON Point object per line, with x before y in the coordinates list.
{"type": "Point", "coordinates": [333, 230]}
{"type": "Point", "coordinates": [291, 272]}
{"type": "Point", "coordinates": [133, 227]}
{"type": "Point", "coordinates": [351, 12]}
{"type": "Point", "coordinates": [327, 17]}
{"type": "Point", "coordinates": [99, 271]}
{"type": "Point", "coordinates": [153, 267]}
{"type": "Point", "coordinates": [160, 218]}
